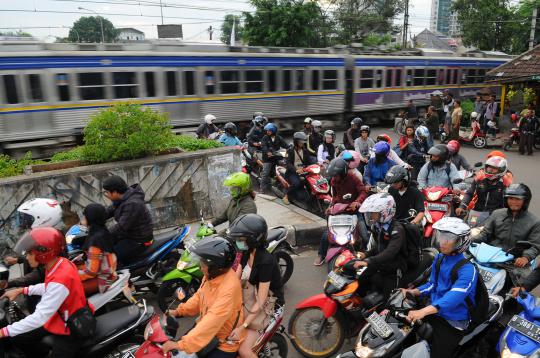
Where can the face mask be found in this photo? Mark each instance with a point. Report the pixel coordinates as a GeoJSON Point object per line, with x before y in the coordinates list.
{"type": "Point", "coordinates": [241, 245]}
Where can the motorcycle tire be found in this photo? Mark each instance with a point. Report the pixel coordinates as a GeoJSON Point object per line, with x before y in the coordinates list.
{"type": "Point", "coordinates": [129, 345]}
{"type": "Point", "coordinates": [480, 142]}
{"type": "Point", "coordinates": [338, 324]}
{"type": "Point", "coordinates": [276, 347]}
{"type": "Point", "coordinates": [165, 294]}
{"type": "Point", "coordinates": [285, 264]}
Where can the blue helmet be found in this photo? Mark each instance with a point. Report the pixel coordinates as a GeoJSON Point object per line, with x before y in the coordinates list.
{"type": "Point", "coordinates": [347, 156]}
{"type": "Point", "coordinates": [271, 127]}
{"type": "Point", "coordinates": [422, 132]}
{"type": "Point", "coordinates": [381, 148]}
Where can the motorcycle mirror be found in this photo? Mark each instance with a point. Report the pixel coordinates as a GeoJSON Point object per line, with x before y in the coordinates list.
{"type": "Point", "coordinates": [478, 164]}
{"type": "Point", "coordinates": [172, 326]}
{"type": "Point", "coordinates": [412, 213]}
{"type": "Point", "coordinates": [457, 181]}
{"type": "Point", "coordinates": [347, 196]}
{"type": "Point", "coordinates": [180, 294]}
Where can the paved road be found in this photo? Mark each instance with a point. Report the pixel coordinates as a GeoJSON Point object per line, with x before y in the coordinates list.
{"type": "Point", "coordinates": [307, 279]}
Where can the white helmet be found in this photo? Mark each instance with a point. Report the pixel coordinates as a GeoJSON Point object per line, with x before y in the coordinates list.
{"type": "Point", "coordinates": [308, 120]}
{"type": "Point", "coordinates": [40, 212]}
{"type": "Point", "coordinates": [474, 114]}
{"type": "Point", "coordinates": [454, 229]}
{"type": "Point", "coordinates": [209, 119]}
{"type": "Point", "coordinates": [491, 124]}
{"type": "Point", "coordinates": [382, 203]}
{"type": "Point", "coordinates": [317, 125]}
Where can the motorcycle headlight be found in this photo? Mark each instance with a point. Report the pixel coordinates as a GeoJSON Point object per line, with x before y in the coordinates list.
{"type": "Point", "coordinates": [433, 195]}
{"type": "Point", "coordinates": [506, 353]}
{"type": "Point", "coordinates": [342, 239]}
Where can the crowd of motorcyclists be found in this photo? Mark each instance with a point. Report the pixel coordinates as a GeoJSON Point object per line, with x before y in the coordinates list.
{"type": "Point", "coordinates": [242, 285]}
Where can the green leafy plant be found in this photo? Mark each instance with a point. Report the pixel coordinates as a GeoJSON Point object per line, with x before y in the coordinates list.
{"type": "Point", "coordinates": [72, 154]}
{"type": "Point", "coordinates": [10, 167]}
{"type": "Point", "coordinates": [125, 131]}
{"type": "Point", "coordinates": [190, 144]}
{"type": "Point", "coordinates": [529, 96]}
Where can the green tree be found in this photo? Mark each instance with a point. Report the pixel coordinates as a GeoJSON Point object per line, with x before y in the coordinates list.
{"type": "Point", "coordinates": [19, 33]}
{"type": "Point", "coordinates": [88, 29]}
{"type": "Point", "coordinates": [286, 23]}
{"type": "Point", "coordinates": [491, 25]}
{"type": "Point", "coordinates": [226, 28]}
{"type": "Point", "coordinates": [357, 19]}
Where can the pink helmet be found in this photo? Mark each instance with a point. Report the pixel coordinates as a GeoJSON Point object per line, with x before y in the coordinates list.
{"type": "Point", "coordinates": [355, 162]}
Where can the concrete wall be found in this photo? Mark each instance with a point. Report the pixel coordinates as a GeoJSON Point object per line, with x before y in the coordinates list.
{"type": "Point", "coordinates": [177, 186]}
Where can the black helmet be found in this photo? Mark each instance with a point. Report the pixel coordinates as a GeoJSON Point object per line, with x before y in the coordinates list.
{"type": "Point", "coordinates": [441, 151]}
{"type": "Point", "coordinates": [249, 227]}
{"type": "Point", "coordinates": [396, 174]}
{"type": "Point", "coordinates": [230, 128]}
{"type": "Point", "coordinates": [357, 121]}
{"type": "Point", "coordinates": [337, 167]}
{"type": "Point", "coordinates": [217, 253]}
{"type": "Point", "coordinates": [300, 136]}
{"type": "Point", "coordinates": [259, 121]}
{"type": "Point", "coordinates": [520, 191]}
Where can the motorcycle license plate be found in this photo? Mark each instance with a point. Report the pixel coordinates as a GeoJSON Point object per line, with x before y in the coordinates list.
{"type": "Point", "coordinates": [525, 327]}
{"type": "Point", "coordinates": [379, 325]}
{"type": "Point", "coordinates": [336, 280]}
{"type": "Point", "coordinates": [437, 207]}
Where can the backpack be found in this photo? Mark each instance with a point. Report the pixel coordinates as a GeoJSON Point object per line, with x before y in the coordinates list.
{"type": "Point", "coordinates": [479, 313]}
{"type": "Point", "coordinates": [413, 243]}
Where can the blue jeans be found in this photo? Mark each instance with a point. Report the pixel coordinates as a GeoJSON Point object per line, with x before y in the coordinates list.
{"type": "Point", "coordinates": [295, 183]}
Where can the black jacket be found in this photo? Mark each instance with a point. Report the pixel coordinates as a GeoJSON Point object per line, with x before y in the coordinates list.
{"type": "Point", "coordinates": [33, 277]}
{"type": "Point", "coordinates": [269, 145]}
{"type": "Point", "coordinates": [390, 251]}
{"type": "Point", "coordinates": [204, 130]}
{"type": "Point", "coordinates": [307, 158]}
{"type": "Point", "coordinates": [313, 142]}
{"type": "Point", "coordinates": [489, 193]}
{"type": "Point", "coordinates": [133, 219]}
{"type": "Point", "coordinates": [255, 135]}
{"type": "Point", "coordinates": [349, 136]}
{"type": "Point", "coordinates": [528, 124]}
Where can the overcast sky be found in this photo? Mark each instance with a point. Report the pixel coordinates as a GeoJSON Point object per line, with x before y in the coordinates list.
{"type": "Point", "coordinates": [46, 19]}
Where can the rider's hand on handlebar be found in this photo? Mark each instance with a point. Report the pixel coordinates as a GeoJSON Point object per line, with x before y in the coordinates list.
{"type": "Point", "coordinates": [12, 294]}
{"type": "Point", "coordinates": [236, 334]}
{"type": "Point", "coordinates": [456, 192]}
{"type": "Point", "coordinates": [459, 211]}
{"type": "Point", "coordinates": [521, 262]}
{"type": "Point", "coordinates": [359, 264]}
{"type": "Point", "coordinates": [172, 313]}
{"type": "Point", "coordinates": [169, 346]}
{"type": "Point", "coordinates": [409, 292]}
{"type": "Point", "coordinates": [416, 315]}
{"type": "Point", "coordinates": [10, 260]}
{"type": "Point", "coordinates": [354, 205]}
{"type": "Point", "coordinates": [514, 291]}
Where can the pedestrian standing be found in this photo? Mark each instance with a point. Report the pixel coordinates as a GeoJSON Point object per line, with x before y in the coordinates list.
{"type": "Point", "coordinates": [479, 106]}
{"type": "Point", "coordinates": [490, 114]}
{"type": "Point", "coordinates": [528, 126]}
{"type": "Point", "coordinates": [448, 109]}
{"type": "Point", "coordinates": [432, 124]}
{"type": "Point", "coordinates": [457, 113]}
{"type": "Point", "coordinates": [525, 111]}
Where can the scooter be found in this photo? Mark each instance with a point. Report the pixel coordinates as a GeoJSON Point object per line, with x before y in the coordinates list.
{"type": "Point", "coordinates": [438, 204]}
{"type": "Point", "coordinates": [495, 265]}
{"type": "Point", "coordinates": [117, 332]}
{"type": "Point", "coordinates": [522, 336]}
{"type": "Point", "coordinates": [512, 139]}
{"type": "Point", "coordinates": [271, 342]}
{"type": "Point", "coordinates": [343, 234]}
{"type": "Point", "coordinates": [145, 269]}
{"type": "Point", "coordinates": [478, 138]}
{"type": "Point", "coordinates": [389, 334]}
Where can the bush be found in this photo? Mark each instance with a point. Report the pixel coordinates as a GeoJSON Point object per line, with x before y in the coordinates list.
{"type": "Point", "coordinates": [72, 154]}
{"type": "Point", "coordinates": [11, 167]}
{"type": "Point", "coordinates": [190, 144]}
{"type": "Point", "coordinates": [125, 131]}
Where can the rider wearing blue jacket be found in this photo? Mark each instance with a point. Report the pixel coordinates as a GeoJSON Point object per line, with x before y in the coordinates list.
{"type": "Point", "coordinates": [448, 313]}
{"type": "Point", "coordinates": [376, 168]}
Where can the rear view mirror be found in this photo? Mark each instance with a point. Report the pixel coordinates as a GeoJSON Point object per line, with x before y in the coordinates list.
{"type": "Point", "coordinates": [478, 164]}
{"type": "Point", "coordinates": [457, 181]}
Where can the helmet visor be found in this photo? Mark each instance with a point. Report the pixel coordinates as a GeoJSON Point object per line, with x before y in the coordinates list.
{"type": "Point", "coordinates": [25, 220]}
{"type": "Point", "coordinates": [25, 244]}
{"type": "Point", "coordinates": [445, 237]}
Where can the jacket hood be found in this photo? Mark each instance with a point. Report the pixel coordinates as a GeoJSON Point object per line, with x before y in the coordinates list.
{"type": "Point", "coordinates": [134, 192]}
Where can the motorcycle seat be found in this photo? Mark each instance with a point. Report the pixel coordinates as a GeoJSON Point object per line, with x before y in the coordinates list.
{"type": "Point", "coordinates": [276, 233]}
{"type": "Point", "coordinates": [159, 240]}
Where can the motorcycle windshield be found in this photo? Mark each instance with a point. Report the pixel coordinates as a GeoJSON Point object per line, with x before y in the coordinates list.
{"type": "Point", "coordinates": [486, 254]}
{"type": "Point", "coordinates": [531, 305]}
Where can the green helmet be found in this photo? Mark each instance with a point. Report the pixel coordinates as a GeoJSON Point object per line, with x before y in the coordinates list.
{"type": "Point", "coordinates": [239, 184]}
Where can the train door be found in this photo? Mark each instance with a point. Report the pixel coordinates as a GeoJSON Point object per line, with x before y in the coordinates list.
{"type": "Point", "coordinates": [349, 86]}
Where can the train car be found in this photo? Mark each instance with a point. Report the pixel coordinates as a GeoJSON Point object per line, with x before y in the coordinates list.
{"type": "Point", "coordinates": [383, 83]}
{"type": "Point", "coordinates": [49, 92]}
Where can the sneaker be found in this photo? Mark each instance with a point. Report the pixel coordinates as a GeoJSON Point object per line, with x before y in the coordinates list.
{"type": "Point", "coordinates": [286, 200]}
{"type": "Point", "coordinates": [318, 261]}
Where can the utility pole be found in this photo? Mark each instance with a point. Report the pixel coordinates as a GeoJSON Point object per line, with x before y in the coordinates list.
{"type": "Point", "coordinates": [210, 32]}
{"type": "Point", "coordinates": [533, 28]}
{"type": "Point", "coordinates": [161, 8]}
{"type": "Point", "coordinates": [405, 24]}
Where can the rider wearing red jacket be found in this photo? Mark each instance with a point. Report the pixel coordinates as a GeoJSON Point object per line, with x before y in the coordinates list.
{"type": "Point", "coordinates": [62, 294]}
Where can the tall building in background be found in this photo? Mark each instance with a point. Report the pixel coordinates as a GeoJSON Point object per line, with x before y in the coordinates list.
{"type": "Point", "coordinates": [442, 20]}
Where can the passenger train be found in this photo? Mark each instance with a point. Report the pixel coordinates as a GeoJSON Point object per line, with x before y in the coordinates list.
{"type": "Point", "coordinates": [48, 91]}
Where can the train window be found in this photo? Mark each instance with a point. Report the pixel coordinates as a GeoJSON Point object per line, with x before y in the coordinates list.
{"type": "Point", "coordinates": [91, 86]}
{"type": "Point", "coordinates": [272, 82]}
{"type": "Point", "coordinates": [409, 78]}
{"type": "Point", "coordinates": [36, 93]}
{"type": "Point", "coordinates": [464, 76]}
{"type": "Point", "coordinates": [10, 89]}
{"type": "Point", "coordinates": [315, 78]}
{"type": "Point", "coordinates": [330, 80]}
{"type": "Point", "coordinates": [299, 85]}
{"type": "Point", "coordinates": [419, 77]}
{"type": "Point", "coordinates": [366, 78]}
{"type": "Point", "coordinates": [189, 83]}
{"type": "Point", "coordinates": [287, 80]}
{"type": "Point", "coordinates": [441, 76]}
{"type": "Point", "coordinates": [210, 82]}
{"type": "Point", "coordinates": [455, 77]}
{"type": "Point", "coordinates": [388, 78]}
{"type": "Point", "coordinates": [170, 77]}
{"type": "Point", "coordinates": [150, 84]}
{"type": "Point", "coordinates": [398, 78]}
{"type": "Point", "coordinates": [448, 77]}
{"type": "Point", "coordinates": [125, 84]}
{"type": "Point", "coordinates": [480, 75]}
{"type": "Point", "coordinates": [254, 81]}
{"type": "Point", "coordinates": [229, 82]}
{"type": "Point", "coordinates": [62, 84]}
{"type": "Point", "coordinates": [431, 77]}
{"type": "Point", "coordinates": [378, 79]}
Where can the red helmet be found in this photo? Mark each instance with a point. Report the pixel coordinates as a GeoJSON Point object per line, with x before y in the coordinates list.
{"type": "Point", "coordinates": [384, 137]}
{"type": "Point", "coordinates": [47, 243]}
{"type": "Point", "coordinates": [496, 153]}
{"type": "Point", "coordinates": [514, 117]}
{"type": "Point", "coordinates": [453, 147]}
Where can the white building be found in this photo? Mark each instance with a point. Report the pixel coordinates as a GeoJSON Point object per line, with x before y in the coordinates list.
{"type": "Point", "coordinates": [130, 34]}
{"type": "Point", "coordinates": [442, 19]}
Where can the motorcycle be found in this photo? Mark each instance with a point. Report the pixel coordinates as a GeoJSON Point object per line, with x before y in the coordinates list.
{"type": "Point", "coordinates": [521, 338]}
{"type": "Point", "coordinates": [512, 139]}
{"type": "Point", "coordinates": [146, 268]}
{"type": "Point", "coordinates": [495, 265]}
{"type": "Point", "coordinates": [343, 234]}
{"type": "Point", "coordinates": [271, 342]}
{"type": "Point", "coordinates": [438, 204]}
{"type": "Point", "coordinates": [389, 334]}
{"type": "Point", "coordinates": [117, 332]}
{"type": "Point", "coordinates": [251, 161]}
{"type": "Point", "coordinates": [477, 137]}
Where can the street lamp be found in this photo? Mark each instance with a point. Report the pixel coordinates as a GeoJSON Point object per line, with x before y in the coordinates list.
{"type": "Point", "coordinates": [100, 21]}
